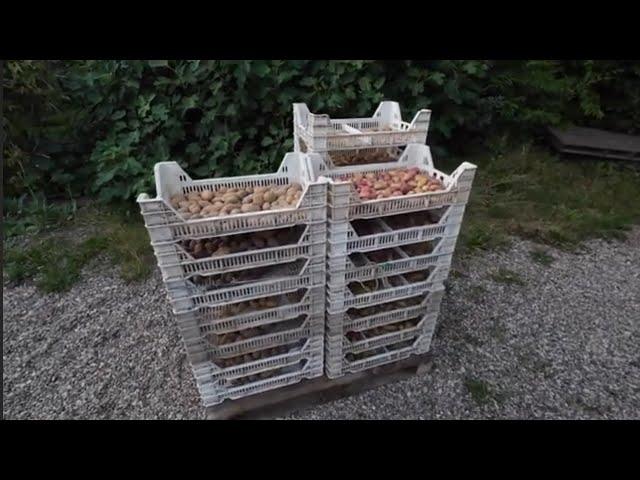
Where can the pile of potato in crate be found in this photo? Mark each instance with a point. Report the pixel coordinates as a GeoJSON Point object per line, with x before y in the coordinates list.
{"type": "Point", "coordinates": [333, 264]}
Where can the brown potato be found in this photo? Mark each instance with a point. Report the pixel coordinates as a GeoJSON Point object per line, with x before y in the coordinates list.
{"type": "Point", "coordinates": [231, 198]}
{"type": "Point", "coordinates": [194, 208]}
{"type": "Point", "coordinates": [206, 195]}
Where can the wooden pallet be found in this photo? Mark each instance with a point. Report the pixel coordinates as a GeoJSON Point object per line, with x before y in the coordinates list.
{"type": "Point", "coordinates": [597, 143]}
{"type": "Point", "coordinates": [317, 391]}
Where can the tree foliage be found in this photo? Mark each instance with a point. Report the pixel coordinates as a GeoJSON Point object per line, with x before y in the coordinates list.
{"type": "Point", "coordinates": [98, 127]}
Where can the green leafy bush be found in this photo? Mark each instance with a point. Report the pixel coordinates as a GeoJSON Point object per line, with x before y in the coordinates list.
{"type": "Point", "coordinates": [219, 118]}
{"type": "Point", "coordinates": [41, 148]}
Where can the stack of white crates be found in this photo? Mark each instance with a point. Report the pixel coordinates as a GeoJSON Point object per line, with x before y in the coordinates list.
{"type": "Point", "coordinates": [251, 320]}
{"type": "Point", "coordinates": [387, 258]}
{"type": "Point", "coordinates": [332, 283]}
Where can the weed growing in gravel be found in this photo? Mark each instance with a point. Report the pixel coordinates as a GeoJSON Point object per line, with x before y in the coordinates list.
{"type": "Point", "coordinates": [481, 392]}
{"type": "Point", "coordinates": [478, 291]}
{"type": "Point", "coordinates": [561, 202]}
{"type": "Point", "coordinates": [33, 214]}
{"type": "Point", "coordinates": [499, 331]}
{"type": "Point", "coordinates": [542, 257]}
{"type": "Point", "coordinates": [55, 264]}
{"type": "Point", "coordinates": [503, 275]}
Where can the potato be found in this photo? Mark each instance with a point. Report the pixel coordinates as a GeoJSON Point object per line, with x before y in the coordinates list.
{"type": "Point", "coordinates": [246, 208]}
{"type": "Point", "coordinates": [193, 196]}
{"type": "Point", "coordinates": [258, 198]}
{"type": "Point", "coordinates": [270, 196]}
{"type": "Point", "coordinates": [184, 204]}
{"type": "Point", "coordinates": [235, 211]}
{"type": "Point", "coordinates": [203, 203]}
{"type": "Point", "coordinates": [206, 195]}
{"type": "Point", "coordinates": [194, 208]}
{"type": "Point", "coordinates": [266, 206]}
{"type": "Point", "coordinates": [271, 302]}
{"type": "Point", "coordinates": [231, 198]}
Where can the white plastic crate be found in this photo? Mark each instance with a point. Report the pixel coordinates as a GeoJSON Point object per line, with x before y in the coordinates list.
{"type": "Point", "coordinates": [341, 299]}
{"type": "Point", "coordinates": [346, 321]}
{"type": "Point", "coordinates": [336, 159]}
{"type": "Point", "coordinates": [216, 385]}
{"type": "Point", "coordinates": [164, 223]}
{"type": "Point", "coordinates": [343, 239]}
{"type": "Point", "coordinates": [338, 344]}
{"type": "Point", "coordinates": [198, 346]}
{"type": "Point", "coordinates": [381, 355]}
{"type": "Point", "coordinates": [318, 132]}
{"type": "Point", "coordinates": [176, 263]}
{"type": "Point", "coordinates": [185, 296]}
{"type": "Point", "coordinates": [345, 204]}
{"type": "Point", "coordinates": [341, 269]}
{"type": "Point", "coordinates": [218, 320]}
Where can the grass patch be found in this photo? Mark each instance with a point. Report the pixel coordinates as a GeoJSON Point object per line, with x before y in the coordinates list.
{"type": "Point", "coordinates": [499, 331]}
{"type": "Point", "coordinates": [508, 277]}
{"type": "Point", "coordinates": [542, 257]}
{"type": "Point", "coordinates": [55, 263]}
{"type": "Point", "coordinates": [533, 194]}
{"type": "Point", "coordinates": [478, 291]}
{"type": "Point", "coordinates": [33, 214]}
{"type": "Point", "coordinates": [481, 392]}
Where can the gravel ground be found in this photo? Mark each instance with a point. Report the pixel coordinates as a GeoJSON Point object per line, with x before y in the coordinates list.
{"type": "Point", "coordinates": [564, 344]}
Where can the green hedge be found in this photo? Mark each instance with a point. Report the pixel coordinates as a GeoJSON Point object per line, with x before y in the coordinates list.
{"type": "Point", "coordinates": [98, 127]}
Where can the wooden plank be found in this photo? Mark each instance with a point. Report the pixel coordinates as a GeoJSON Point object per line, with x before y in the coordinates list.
{"type": "Point", "coordinates": [601, 153]}
{"type": "Point", "coordinates": [595, 139]}
{"type": "Point", "coordinates": [317, 391]}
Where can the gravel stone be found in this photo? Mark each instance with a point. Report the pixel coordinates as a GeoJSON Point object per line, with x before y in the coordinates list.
{"type": "Point", "coordinates": [562, 346]}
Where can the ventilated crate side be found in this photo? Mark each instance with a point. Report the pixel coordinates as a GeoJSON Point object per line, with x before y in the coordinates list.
{"type": "Point", "coordinates": [341, 270]}
{"type": "Point", "coordinates": [213, 394]}
{"type": "Point", "coordinates": [213, 319]}
{"type": "Point", "coordinates": [345, 204]}
{"type": "Point", "coordinates": [343, 239]}
{"type": "Point", "coordinates": [199, 347]}
{"type": "Point", "coordinates": [426, 323]}
{"type": "Point", "coordinates": [164, 223]}
{"type": "Point", "coordinates": [344, 322]}
{"type": "Point", "coordinates": [335, 368]}
{"type": "Point", "coordinates": [186, 298]}
{"type": "Point", "coordinates": [176, 263]}
{"type": "Point", "coordinates": [342, 298]}
{"type": "Point", "coordinates": [319, 133]}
